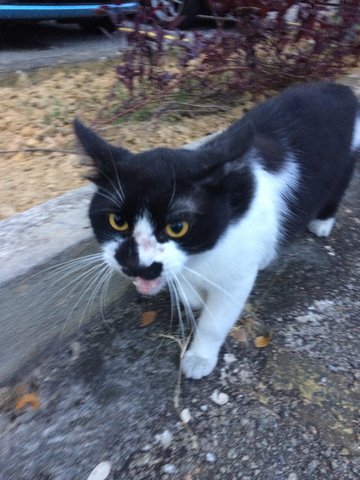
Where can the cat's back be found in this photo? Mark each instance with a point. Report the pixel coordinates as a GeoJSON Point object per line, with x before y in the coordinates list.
{"type": "Point", "coordinates": [307, 118]}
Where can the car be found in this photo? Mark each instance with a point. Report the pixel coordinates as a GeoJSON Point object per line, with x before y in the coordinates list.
{"type": "Point", "coordinates": [184, 12]}
{"type": "Point", "coordinates": [89, 14]}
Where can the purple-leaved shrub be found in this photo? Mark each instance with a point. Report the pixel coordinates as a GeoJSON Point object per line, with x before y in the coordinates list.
{"type": "Point", "coordinates": [261, 47]}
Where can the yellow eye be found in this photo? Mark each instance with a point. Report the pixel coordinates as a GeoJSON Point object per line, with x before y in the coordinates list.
{"type": "Point", "coordinates": [117, 222]}
{"type": "Point", "coordinates": [177, 229]}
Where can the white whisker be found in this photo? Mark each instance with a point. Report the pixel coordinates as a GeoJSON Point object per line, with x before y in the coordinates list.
{"type": "Point", "coordinates": [99, 279]}
{"type": "Point", "coordinates": [186, 303]}
{"type": "Point", "coordinates": [210, 282]}
{"type": "Point", "coordinates": [112, 198]}
{"type": "Point", "coordinates": [73, 262]}
{"type": "Point", "coordinates": [89, 283]}
{"type": "Point", "coordinates": [177, 305]}
{"type": "Point", "coordinates": [104, 293]}
{"type": "Point", "coordinates": [120, 191]}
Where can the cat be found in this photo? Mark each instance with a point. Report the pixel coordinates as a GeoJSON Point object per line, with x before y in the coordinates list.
{"type": "Point", "coordinates": [204, 220]}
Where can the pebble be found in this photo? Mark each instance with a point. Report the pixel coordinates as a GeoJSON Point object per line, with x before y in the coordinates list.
{"type": "Point", "coordinates": [169, 468]}
{"type": "Point", "coordinates": [220, 398]}
{"type": "Point", "coordinates": [229, 358]}
{"type": "Point", "coordinates": [292, 476]}
{"type": "Point", "coordinates": [165, 438]}
{"type": "Point", "coordinates": [210, 457]}
{"type": "Point", "coordinates": [185, 415]}
{"type": "Point", "coordinates": [232, 454]}
{"type": "Point", "coordinates": [100, 472]}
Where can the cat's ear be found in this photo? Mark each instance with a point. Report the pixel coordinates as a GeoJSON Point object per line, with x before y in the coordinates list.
{"type": "Point", "coordinates": [105, 157]}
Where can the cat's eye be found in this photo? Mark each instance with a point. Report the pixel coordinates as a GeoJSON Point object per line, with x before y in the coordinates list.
{"type": "Point", "coordinates": [177, 229]}
{"type": "Point", "coordinates": [117, 222]}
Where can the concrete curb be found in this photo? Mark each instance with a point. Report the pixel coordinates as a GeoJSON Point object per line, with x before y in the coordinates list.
{"type": "Point", "coordinates": [37, 306]}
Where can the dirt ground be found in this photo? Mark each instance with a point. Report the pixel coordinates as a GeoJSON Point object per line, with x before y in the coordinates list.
{"type": "Point", "coordinates": [37, 112]}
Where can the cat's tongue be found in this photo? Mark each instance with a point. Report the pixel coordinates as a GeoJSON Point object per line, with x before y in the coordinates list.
{"type": "Point", "coordinates": [148, 287]}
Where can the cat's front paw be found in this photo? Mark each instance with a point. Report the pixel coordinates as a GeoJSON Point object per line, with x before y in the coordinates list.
{"type": "Point", "coordinates": [195, 366]}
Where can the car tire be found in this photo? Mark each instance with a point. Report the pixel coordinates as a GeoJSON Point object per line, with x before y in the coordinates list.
{"type": "Point", "coordinates": [96, 27]}
{"type": "Point", "coordinates": [168, 12]}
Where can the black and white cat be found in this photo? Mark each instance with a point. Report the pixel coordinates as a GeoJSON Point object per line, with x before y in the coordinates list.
{"type": "Point", "coordinates": [205, 220]}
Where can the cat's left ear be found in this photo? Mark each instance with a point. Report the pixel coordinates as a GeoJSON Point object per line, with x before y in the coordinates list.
{"type": "Point", "coordinates": [229, 177]}
{"type": "Point", "coordinates": [105, 156]}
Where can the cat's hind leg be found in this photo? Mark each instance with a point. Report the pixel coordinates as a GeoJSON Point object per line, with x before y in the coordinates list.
{"type": "Point", "coordinates": [324, 222]}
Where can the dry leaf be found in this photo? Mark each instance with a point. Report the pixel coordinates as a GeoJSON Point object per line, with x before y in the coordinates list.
{"type": "Point", "coordinates": [147, 318]}
{"type": "Point", "coordinates": [31, 399]}
{"type": "Point", "coordinates": [239, 333]}
{"type": "Point", "coordinates": [262, 341]}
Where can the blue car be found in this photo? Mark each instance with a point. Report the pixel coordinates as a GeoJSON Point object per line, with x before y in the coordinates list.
{"type": "Point", "coordinates": [86, 13]}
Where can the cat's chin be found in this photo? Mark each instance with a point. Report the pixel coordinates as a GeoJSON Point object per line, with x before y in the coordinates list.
{"type": "Point", "coordinates": [149, 287]}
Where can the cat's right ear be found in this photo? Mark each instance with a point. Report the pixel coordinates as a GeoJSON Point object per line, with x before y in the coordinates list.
{"type": "Point", "coordinates": [105, 157]}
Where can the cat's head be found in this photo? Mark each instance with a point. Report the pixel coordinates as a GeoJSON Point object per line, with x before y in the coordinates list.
{"type": "Point", "coordinates": [153, 210]}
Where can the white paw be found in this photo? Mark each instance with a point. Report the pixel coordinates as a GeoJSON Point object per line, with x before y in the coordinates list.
{"type": "Point", "coordinates": [195, 366]}
{"type": "Point", "coordinates": [321, 228]}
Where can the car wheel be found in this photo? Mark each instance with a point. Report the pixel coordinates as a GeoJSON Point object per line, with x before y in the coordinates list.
{"type": "Point", "coordinates": [96, 27]}
{"type": "Point", "coordinates": [169, 12]}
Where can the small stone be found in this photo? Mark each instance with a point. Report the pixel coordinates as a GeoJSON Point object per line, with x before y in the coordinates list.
{"type": "Point", "coordinates": [100, 472]}
{"type": "Point", "coordinates": [229, 358]}
{"type": "Point", "coordinates": [185, 415]}
{"type": "Point", "coordinates": [204, 408]}
{"type": "Point", "coordinates": [169, 468]}
{"type": "Point", "coordinates": [220, 398]}
{"type": "Point", "coordinates": [210, 457]}
{"type": "Point", "coordinates": [345, 452]}
{"type": "Point", "coordinates": [164, 438]}
{"type": "Point", "coordinates": [232, 454]}
{"type": "Point", "coordinates": [292, 476]}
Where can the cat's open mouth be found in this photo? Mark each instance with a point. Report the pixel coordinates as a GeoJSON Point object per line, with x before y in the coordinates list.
{"type": "Point", "coordinates": [149, 287]}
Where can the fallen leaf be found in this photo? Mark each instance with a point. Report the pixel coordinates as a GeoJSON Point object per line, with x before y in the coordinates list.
{"type": "Point", "coordinates": [31, 399]}
{"type": "Point", "coordinates": [239, 333]}
{"type": "Point", "coordinates": [147, 318]}
{"type": "Point", "coordinates": [262, 341]}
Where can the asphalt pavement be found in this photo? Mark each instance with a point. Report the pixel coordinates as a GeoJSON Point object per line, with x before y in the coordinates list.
{"type": "Point", "coordinates": [29, 46]}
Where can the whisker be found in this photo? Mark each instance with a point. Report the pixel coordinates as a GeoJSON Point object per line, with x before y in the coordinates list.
{"type": "Point", "coordinates": [112, 198]}
{"type": "Point", "coordinates": [121, 190]}
{"type": "Point", "coordinates": [89, 283]}
{"type": "Point", "coordinates": [178, 307]}
{"type": "Point", "coordinates": [99, 279]}
{"type": "Point", "coordinates": [203, 303]}
{"type": "Point", "coordinates": [104, 294]}
{"type": "Point", "coordinates": [75, 281]}
{"type": "Point", "coordinates": [186, 303]}
{"type": "Point", "coordinates": [210, 282]}
{"type": "Point", "coordinates": [84, 259]}
{"type": "Point", "coordinates": [173, 193]}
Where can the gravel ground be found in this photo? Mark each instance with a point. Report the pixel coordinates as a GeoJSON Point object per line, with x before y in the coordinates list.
{"type": "Point", "coordinates": [289, 411]}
